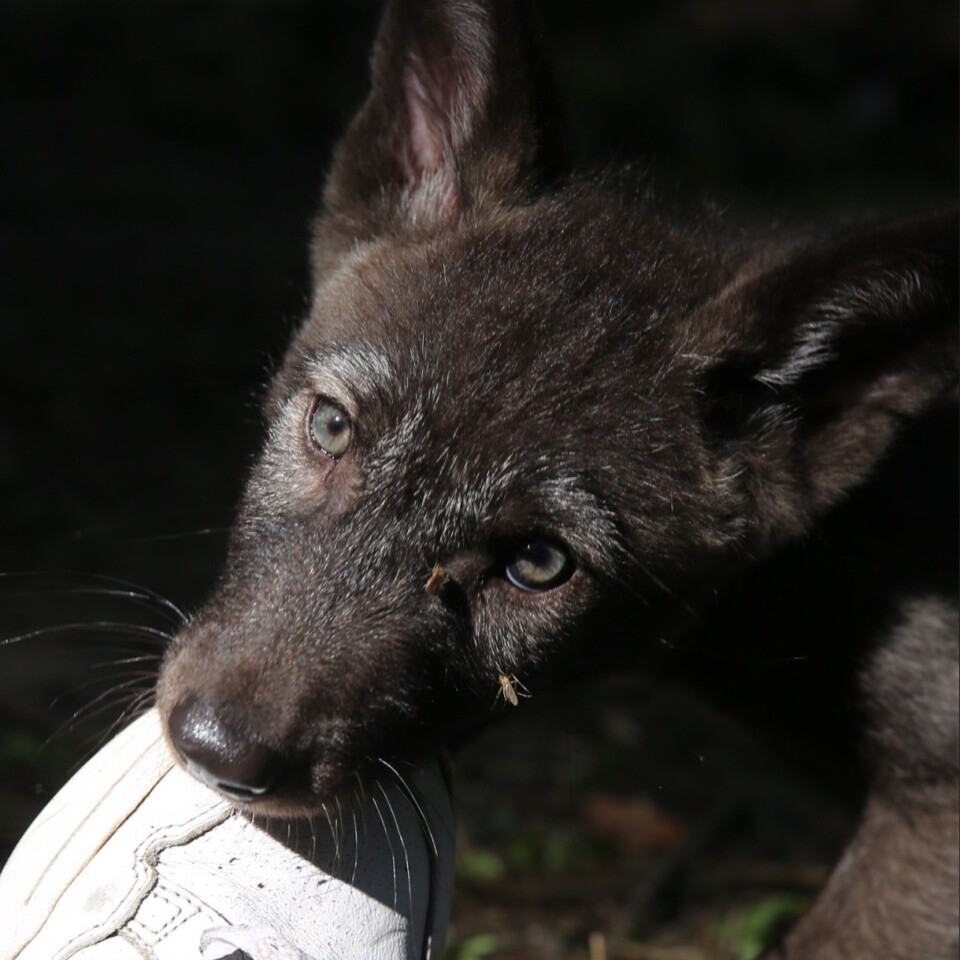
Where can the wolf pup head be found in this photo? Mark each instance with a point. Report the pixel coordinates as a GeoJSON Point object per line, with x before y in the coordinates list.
{"type": "Point", "coordinates": [522, 427]}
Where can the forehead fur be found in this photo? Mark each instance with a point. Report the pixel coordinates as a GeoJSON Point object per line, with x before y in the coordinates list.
{"type": "Point", "coordinates": [507, 305]}
{"type": "Point", "coordinates": [525, 357]}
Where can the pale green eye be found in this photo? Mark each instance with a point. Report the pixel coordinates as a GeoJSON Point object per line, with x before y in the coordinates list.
{"type": "Point", "coordinates": [330, 428]}
{"type": "Point", "coordinates": [539, 565]}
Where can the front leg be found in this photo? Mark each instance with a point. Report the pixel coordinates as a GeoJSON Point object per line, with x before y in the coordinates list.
{"type": "Point", "coordinates": [894, 894]}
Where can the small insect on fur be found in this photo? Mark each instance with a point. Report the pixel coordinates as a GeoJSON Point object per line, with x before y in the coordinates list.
{"type": "Point", "coordinates": [511, 689]}
{"type": "Point", "coordinates": [437, 579]}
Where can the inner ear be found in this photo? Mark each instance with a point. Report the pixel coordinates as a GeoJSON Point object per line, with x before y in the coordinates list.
{"type": "Point", "coordinates": [422, 143]}
{"type": "Point", "coordinates": [426, 138]}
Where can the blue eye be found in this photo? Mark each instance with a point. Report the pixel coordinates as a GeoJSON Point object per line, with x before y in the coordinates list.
{"type": "Point", "coordinates": [330, 428]}
{"type": "Point", "coordinates": [539, 565]}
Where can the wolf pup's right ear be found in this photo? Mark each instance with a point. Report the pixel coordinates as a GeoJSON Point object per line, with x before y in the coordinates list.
{"type": "Point", "coordinates": [446, 129]}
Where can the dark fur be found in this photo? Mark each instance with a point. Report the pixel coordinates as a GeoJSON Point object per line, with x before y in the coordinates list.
{"type": "Point", "coordinates": [672, 401]}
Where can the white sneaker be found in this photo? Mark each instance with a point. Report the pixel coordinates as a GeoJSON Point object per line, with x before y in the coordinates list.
{"type": "Point", "coordinates": [135, 860]}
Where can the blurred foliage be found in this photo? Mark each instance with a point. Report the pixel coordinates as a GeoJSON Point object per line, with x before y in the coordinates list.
{"type": "Point", "coordinates": [473, 948]}
{"type": "Point", "coordinates": [480, 865]}
{"type": "Point", "coordinates": [746, 933]}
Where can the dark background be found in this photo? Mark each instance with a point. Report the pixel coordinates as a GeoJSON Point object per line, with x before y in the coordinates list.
{"type": "Point", "coordinates": [159, 164]}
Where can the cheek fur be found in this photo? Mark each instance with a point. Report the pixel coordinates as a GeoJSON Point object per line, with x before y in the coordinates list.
{"type": "Point", "coordinates": [518, 629]}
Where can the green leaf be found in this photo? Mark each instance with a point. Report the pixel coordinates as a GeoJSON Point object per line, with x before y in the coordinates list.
{"type": "Point", "coordinates": [474, 948]}
{"type": "Point", "coordinates": [481, 865]}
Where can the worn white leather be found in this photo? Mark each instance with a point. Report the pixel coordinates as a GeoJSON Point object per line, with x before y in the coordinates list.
{"type": "Point", "coordinates": [135, 860]}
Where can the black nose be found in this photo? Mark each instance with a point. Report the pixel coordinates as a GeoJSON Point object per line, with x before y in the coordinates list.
{"type": "Point", "coordinates": [218, 754]}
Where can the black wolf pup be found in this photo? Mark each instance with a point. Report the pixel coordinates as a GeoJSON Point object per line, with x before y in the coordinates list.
{"type": "Point", "coordinates": [525, 431]}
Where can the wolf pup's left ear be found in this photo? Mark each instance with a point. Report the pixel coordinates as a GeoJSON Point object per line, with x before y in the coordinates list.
{"type": "Point", "coordinates": [446, 127]}
{"type": "Point", "coordinates": [810, 365]}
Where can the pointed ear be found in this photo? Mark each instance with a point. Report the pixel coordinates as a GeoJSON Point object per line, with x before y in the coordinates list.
{"type": "Point", "coordinates": [812, 364]}
{"type": "Point", "coordinates": [446, 127]}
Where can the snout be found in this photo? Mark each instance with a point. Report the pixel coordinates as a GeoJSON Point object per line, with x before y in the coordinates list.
{"type": "Point", "coordinates": [220, 754]}
{"type": "Point", "coordinates": [281, 703]}
{"type": "Point", "coordinates": [261, 737]}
